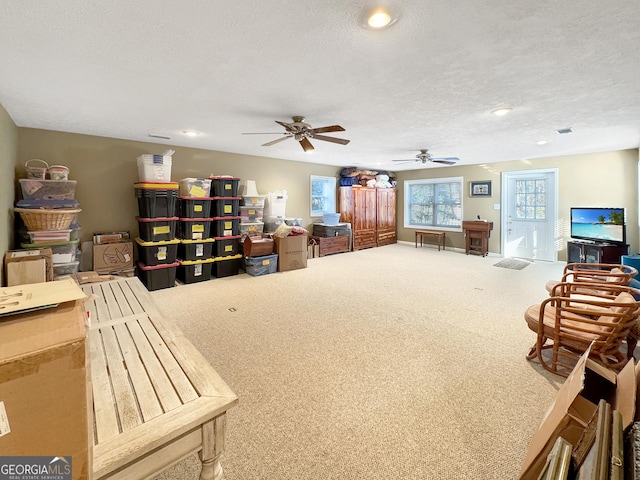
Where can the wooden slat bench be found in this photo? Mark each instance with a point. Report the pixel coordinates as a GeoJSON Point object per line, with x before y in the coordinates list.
{"type": "Point", "coordinates": [429, 233]}
{"type": "Point", "coordinates": [156, 399]}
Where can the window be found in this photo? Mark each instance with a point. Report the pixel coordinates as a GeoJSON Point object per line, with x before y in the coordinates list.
{"type": "Point", "coordinates": [434, 203]}
{"type": "Point", "coordinates": [531, 199]}
{"type": "Point", "coordinates": [323, 195]}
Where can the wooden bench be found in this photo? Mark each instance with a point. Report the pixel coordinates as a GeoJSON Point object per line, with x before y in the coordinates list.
{"type": "Point", "coordinates": [156, 399]}
{"type": "Point", "coordinates": [428, 233]}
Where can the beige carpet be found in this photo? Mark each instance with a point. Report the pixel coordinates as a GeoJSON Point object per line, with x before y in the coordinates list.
{"type": "Point", "coordinates": [392, 362]}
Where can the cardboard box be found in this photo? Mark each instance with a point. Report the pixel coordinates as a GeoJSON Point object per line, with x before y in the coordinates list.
{"type": "Point", "coordinates": [44, 389]}
{"type": "Point", "coordinates": [28, 266]}
{"type": "Point", "coordinates": [576, 403]}
{"type": "Point", "coordinates": [292, 252]}
{"type": "Point", "coordinates": [112, 258]}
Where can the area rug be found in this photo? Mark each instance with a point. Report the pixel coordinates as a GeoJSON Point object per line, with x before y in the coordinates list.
{"type": "Point", "coordinates": [512, 263]}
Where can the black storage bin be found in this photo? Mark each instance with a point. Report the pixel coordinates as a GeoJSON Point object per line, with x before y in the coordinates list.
{"type": "Point", "coordinates": [322, 230]}
{"type": "Point", "coordinates": [194, 228]}
{"type": "Point", "coordinates": [192, 271]}
{"type": "Point", "coordinates": [225, 226]}
{"type": "Point", "coordinates": [195, 249]}
{"type": "Point", "coordinates": [226, 246]}
{"type": "Point", "coordinates": [191, 207]}
{"type": "Point", "coordinates": [157, 253]}
{"type": "Point", "coordinates": [226, 266]}
{"type": "Point", "coordinates": [224, 186]}
{"type": "Point", "coordinates": [156, 199]}
{"type": "Point", "coordinates": [225, 206]}
{"type": "Point", "coordinates": [160, 276]}
{"type": "Point", "coordinates": [157, 229]}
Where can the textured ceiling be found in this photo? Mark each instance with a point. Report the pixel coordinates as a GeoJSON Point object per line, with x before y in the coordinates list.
{"type": "Point", "coordinates": [128, 69]}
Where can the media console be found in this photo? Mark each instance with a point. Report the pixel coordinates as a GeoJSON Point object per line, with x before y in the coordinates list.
{"type": "Point", "coordinates": [580, 251]}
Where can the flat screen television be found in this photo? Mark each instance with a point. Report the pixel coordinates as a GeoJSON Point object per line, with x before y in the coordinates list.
{"type": "Point", "coordinates": [598, 224]}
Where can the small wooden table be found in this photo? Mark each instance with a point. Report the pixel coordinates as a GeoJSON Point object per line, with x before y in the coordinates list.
{"type": "Point", "coordinates": [477, 235]}
{"type": "Point", "coordinates": [429, 233]}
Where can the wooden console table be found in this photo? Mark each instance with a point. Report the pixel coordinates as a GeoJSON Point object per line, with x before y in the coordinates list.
{"type": "Point", "coordinates": [477, 235]}
{"type": "Point", "coordinates": [156, 399]}
{"type": "Point", "coordinates": [428, 233]}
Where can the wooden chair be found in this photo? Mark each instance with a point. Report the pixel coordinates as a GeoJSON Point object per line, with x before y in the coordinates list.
{"type": "Point", "coordinates": [573, 318]}
{"type": "Point", "coordinates": [614, 274]}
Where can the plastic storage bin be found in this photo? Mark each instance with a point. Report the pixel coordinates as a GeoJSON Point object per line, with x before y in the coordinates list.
{"type": "Point", "coordinates": [271, 224]}
{"type": "Point", "coordinates": [195, 187]}
{"type": "Point", "coordinates": [253, 201]}
{"type": "Point", "coordinates": [226, 266]}
{"type": "Point", "coordinates": [226, 246]}
{"type": "Point", "coordinates": [159, 276]}
{"type": "Point", "coordinates": [154, 168]}
{"type": "Point", "coordinates": [256, 266]}
{"type": "Point", "coordinates": [224, 186]}
{"type": "Point", "coordinates": [251, 214]}
{"type": "Point", "coordinates": [331, 218]}
{"type": "Point", "coordinates": [33, 189]}
{"type": "Point", "coordinates": [195, 249]}
{"type": "Point", "coordinates": [65, 268]}
{"type": "Point", "coordinates": [156, 199]}
{"type": "Point", "coordinates": [191, 271]}
{"type": "Point", "coordinates": [63, 252]}
{"type": "Point", "coordinates": [255, 228]}
{"type": "Point", "coordinates": [157, 229]}
{"type": "Point", "coordinates": [225, 206]}
{"type": "Point", "coordinates": [194, 207]}
{"type": "Point", "coordinates": [48, 236]}
{"type": "Point", "coordinates": [226, 226]}
{"type": "Point", "coordinates": [194, 228]}
{"type": "Point", "coordinates": [157, 253]}
{"type": "Point", "coordinates": [275, 205]}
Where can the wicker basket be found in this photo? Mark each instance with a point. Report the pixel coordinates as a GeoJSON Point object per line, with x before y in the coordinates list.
{"type": "Point", "coordinates": [47, 219]}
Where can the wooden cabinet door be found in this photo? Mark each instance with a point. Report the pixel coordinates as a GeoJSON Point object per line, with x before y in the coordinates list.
{"type": "Point", "coordinates": [386, 216]}
{"type": "Point", "coordinates": [364, 209]}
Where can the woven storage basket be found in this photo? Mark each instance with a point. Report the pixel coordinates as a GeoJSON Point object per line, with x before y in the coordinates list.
{"type": "Point", "coordinates": [37, 219]}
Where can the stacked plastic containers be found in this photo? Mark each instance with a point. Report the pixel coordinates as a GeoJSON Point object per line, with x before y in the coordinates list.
{"type": "Point", "coordinates": [225, 206]}
{"type": "Point", "coordinates": [195, 252]}
{"type": "Point", "coordinates": [274, 209]}
{"type": "Point", "coordinates": [49, 211]}
{"type": "Point", "coordinates": [157, 244]}
{"type": "Point", "coordinates": [251, 211]}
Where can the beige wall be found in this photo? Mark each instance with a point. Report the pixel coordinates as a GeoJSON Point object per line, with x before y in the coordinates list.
{"type": "Point", "coordinates": [8, 155]}
{"type": "Point", "coordinates": [106, 169]}
{"type": "Point", "coordinates": [607, 179]}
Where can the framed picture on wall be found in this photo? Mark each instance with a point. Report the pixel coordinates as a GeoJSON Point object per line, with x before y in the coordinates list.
{"type": "Point", "coordinates": [480, 189]}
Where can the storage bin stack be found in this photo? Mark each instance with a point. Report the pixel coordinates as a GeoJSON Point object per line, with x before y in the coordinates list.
{"type": "Point", "coordinates": [49, 213]}
{"type": "Point", "coordinates": [274, 209]}
{"type": "Point", "coordinates": [225, 206]}
{"type": "Point", "coordinates": [195, 251]}
{"type": "Point", "coordinates": [157, 244]}
{"type": "Point", "coordinates": [251, 211]}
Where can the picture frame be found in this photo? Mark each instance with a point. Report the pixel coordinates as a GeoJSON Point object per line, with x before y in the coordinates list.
{"type": "Point", "coordinates": [480, 189]}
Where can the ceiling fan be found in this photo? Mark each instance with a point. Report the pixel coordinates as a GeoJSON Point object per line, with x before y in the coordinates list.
{"type": "Point", "coordinates": [424, 156]}
{"type": "Point", "coordinates": [302, 132]}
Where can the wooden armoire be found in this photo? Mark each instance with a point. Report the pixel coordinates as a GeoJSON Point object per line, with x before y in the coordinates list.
{"type": "Point", "coordinates": [371, 213]}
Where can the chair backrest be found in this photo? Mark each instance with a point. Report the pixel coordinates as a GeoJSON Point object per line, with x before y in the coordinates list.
{"type": "Point", "coordinates": [599, 272]}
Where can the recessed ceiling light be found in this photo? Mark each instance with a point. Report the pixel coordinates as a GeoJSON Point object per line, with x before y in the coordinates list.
{"type": "Point", "coordinates": [564, 131]}
{"type": "Point", "coordinates": [499, 112]}
{"type": "Point", "coordinates": [541, 142]}
{"type": "Point", "coordinates": [379, 17]}
{"type": "Point", "coordinates": [191, 133]}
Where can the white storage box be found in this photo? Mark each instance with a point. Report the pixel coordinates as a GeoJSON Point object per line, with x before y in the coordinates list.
{"type": "Point", "coordinates": [274, 205]}
{"type": "Point", "coordinates": [253, 201]}
{"type": "Point", "coordinates": [154, 168]}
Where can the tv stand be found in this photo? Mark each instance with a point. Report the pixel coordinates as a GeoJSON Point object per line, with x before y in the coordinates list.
{"type": "Point", "coordinates": [581, 251]}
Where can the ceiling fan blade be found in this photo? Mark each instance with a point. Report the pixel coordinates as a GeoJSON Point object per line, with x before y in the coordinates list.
{"type": "Point", "coordinates": [331, 128]}
{"type": "Point", "coordinates": [287, 126]}
{"type": "Point", "coordinates": [445, 160]}
{"type": "Point", "coordinates": [261, 133]}
{"type": "Point", "coordinates": [306, 144]}
{"type": "Point", "coordinates": [404, 161]}
{"type": "Point", "coordinates": [341, 141]}
{"type": "Point", "coordinates": [273, 142]}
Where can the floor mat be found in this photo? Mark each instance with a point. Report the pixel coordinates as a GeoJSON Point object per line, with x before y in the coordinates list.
{"type": "Point", "coordinates": [513, 263]}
